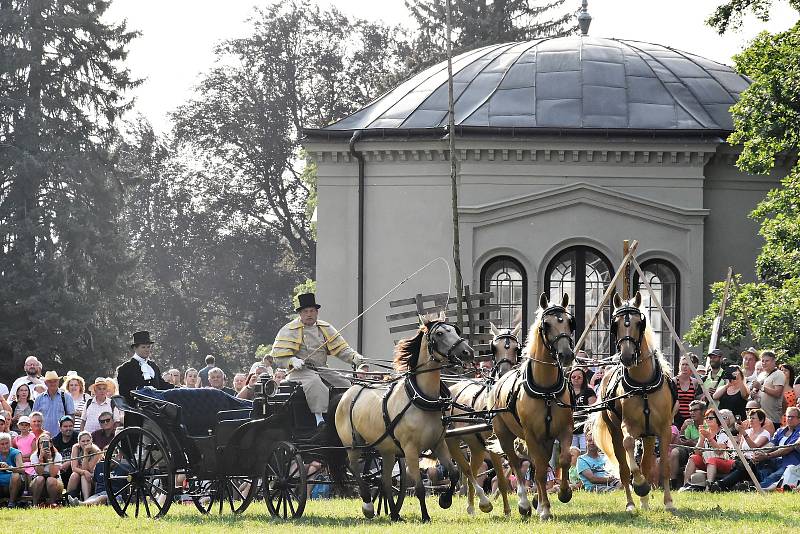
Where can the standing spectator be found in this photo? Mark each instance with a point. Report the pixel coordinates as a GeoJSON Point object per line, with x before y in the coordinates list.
{"type": "Point", "coordinates": [174, 377]}
{"type": "Point", "coordinates": [752, 435]}
{"type": "Point", "coordinates": [191, 379]}
{"type": "Point", "coordinates": [103, 436]}
{"type": "Point", "coordinates": [248, 391]}
{"type": "Point", "coordinates": [211, 362]}
{"type": "Point", "coordinates": [688, 389]}
{"type": "Point", "coordinates": [591, 469]}
{"type": "Point", "coordinates": [239, 381]}
{"type": "Point", "coordinates": [584, 396]}
{"type": "Point", "coordinates": [23, 405]}
{"type": "Point", "coordinates": [734, 396]}
{"type": "Point", "coordinates": [25, 442]}
{"type": "Point", "coordinates": [216, 377]}
{"type": "Point", "coordinates": [5, 425]}
{"type": "Point", "coordinates": [98, 404]}
{"type": "Point", "coordinates": [4, 405]}
{"type": "Point", "coordinates": [713, 379]}
{"type": "Point", "coordinates": [11, 470]}
{"type": "Point", "coordinates": [789, 397]}
{"type": "Point", "coordinates": [770, 384]}
{"type": "Point", "coordinates": [85, 457]}
{"type": "Point", "coordinates": [46, 463]}
{"type": "Point", "coordinates": [140, 370]}
{"type": "Point", "coordinates": [688, 436]}
{"type": "Point", "coordinates": [597, 377]}
{"type": "Point", "coordinates": [4, 391]}
{"type": "Point", "coordinates": [749, 359]}
{"type": "Point", "coordinates": [713, 461]}
{"type": "Point", "coordinates": [32, 377]}
{"type": "Point", "coordinates": [53, 403]}
{"type": "Point", "coordinates": [63, 443]}
{"type": "Point", "coordinates": [75, 386]}
{"type": "Point", "coordinates": [773, 463]}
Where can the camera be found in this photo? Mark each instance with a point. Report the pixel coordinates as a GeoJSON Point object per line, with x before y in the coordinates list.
{"type": "Point", "coordinates": [45, 444]}
{"type": "Point", "coordinates": [728, 373]}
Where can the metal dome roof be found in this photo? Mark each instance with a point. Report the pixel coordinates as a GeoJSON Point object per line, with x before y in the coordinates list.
{"type": "Point", "coordinates": [576, 82]}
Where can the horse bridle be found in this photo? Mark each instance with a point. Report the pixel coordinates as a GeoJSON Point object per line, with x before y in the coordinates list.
{"type": "Point", "coordinates": [626, 312]}
{"type": "Point", "coordinates": [558, 312]}
{"type": "Point", "coordinates": [450, 353]}
{"type": "Point", "coordinates": [508, 337]}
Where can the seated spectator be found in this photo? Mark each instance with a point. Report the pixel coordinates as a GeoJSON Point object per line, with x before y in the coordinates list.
{"type": "Point", "coordinates": [591, 469]}
{"type": "Point", "coordinates": [4, 391]}
{"type": "Point", "coordinates": [789, 397]}
{"type": "Point", "coordinates": [63, 443]}
{"type": "Point", "coordinates": [734, 396]}
{"type": "Point", "coordinates": [36, 423]}
{"type": "Point", "coordinates": [752, 435]}
{"type": "Point", "coordinates": [191, 379]}
{"type": "Point", "coordinates": [688, 436]}
{"type": "Point", "coordinates": [75, 386]}
{"type": "Point", "coordinates": [99, 403]}
{"type": "Point", "coordinates": [280, 375]}
{"type": "Point", "coordinates": [248, 392]}
{"type": "Point", "coordinates": [46, 462]}
{"type": "Point", "coordinates": [103, 436]}
{"type": "Point", "coordinates": [362, 372]}
{"type": "Point", "coordinates": [23, 405]}
{"type": "Point", "coordinates": [574, 479]}
{"type": "Point", "coordinates": [216, 379]}
{"type": "Point", "coordinates": [772, 464]}
{"type": "Point", "coordinates": [4, 405]}
{"type": "Point", "coordinates": [174, 377]}
{"type": "Point", "coordinates": [85, 457]}
{"type": "Point", "coordinates": [5, 425]}
{"type": "Point", "coordinates": [53, 403]}
{"type": "Point", "coordinates": [712, 461]}
{"type": "Point", "coordinates": [25, 442]}
{"type": "Point", "coordinates": [11, 470]}
{"type": "Point", "coordinates": [239, 381]}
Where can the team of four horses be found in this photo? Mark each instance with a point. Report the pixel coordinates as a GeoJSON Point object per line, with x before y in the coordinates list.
{"type": "Point", "coordinates": [528, 399]}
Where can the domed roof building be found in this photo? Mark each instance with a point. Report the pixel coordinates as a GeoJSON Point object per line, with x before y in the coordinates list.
{"type": "Point", "coordinates": [565, 147]}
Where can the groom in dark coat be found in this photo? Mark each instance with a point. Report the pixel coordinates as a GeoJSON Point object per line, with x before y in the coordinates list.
{"type": "Point", "coordinates": [140, 371]}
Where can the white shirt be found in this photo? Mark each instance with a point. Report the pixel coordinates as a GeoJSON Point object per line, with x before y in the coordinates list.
{"type": "Point", "coordinates": [147, 371]}
{"type": "Point", "coordinates": [57, 459]}
{"type": "Point", "coordinates": [3, 390]}
{"type": "Point", "coordinates": [91, 414]}
{"type": "Point", "coordinates": [25, 380]}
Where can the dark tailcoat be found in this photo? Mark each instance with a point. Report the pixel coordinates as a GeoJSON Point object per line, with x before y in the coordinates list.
{"type": "Point", "coordinates": [130, 378]}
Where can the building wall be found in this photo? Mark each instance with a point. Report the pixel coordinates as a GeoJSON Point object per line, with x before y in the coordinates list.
{"type": "Point", "coordinates": [528, 199]}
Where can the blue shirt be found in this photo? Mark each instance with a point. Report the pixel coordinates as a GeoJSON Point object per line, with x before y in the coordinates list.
{"type": "Point", "coordinates": [596, 465]}
{"type": "Point", "coordinates": [5, 476]}
{"type": "Point", "coordinates": [793, 458]}
{"type": "Point", "coordinates": [52, 409]}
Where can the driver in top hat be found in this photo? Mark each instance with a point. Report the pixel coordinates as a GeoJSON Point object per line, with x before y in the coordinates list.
{"type": "Point", "coordinates": [140, 370]}
{"type": "Point", "coordinates": [303, 346]}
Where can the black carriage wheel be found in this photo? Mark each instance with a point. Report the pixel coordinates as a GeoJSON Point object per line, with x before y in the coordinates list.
{"type": "Point", "coordinates": [373, 466]}
{"type": "Point", "coordinates": [232, 493]}
{"type": "Point", "coordinates": [139, 474]}
{"type": "Point", "coordinates": [285, 482]}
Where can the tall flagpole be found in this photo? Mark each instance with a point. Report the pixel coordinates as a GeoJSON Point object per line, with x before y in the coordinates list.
{"type": "Point", "coordinates": [454, 172]}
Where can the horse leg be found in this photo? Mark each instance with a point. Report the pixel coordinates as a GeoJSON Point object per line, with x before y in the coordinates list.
{"type": "Point", "coordinates": [354, 458]}
{"type": "Point", "coordinates": [666, 437]}
{"type": "Point", "coordinates": [443, 455]}
{"type": "Point", "coordinates": [640, 485]}
{"type": "Point", "coordinates": [477, 453]}
{"type": "Point", "coordinates": [624, 469]}
{"type": "Point", "coordinates": [502, 481]}
{"type": "Point", "coordinates": [540, 454]}
{"type": "Point", "coordinates": [565, 459]}
{"type": "Point", "coordinates": [386, 480]}
{"type": "Point", "coordinates": [412, 468]}
{"type": "Point", "coordinates": [648, 459]}
{"type": "Point", "coordinates": [458, 457]}
{"type": "Point", "coordinates": [506, 439]}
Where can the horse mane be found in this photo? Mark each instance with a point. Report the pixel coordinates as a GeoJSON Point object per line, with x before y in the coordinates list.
{"type": "Point", "coordinates": [406, 352]}
{"type": "Point", "coordinates": [649, 344]}
{"type": "Point", "coordinates": [534, 344]}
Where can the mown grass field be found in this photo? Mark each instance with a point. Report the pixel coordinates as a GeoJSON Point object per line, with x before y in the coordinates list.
{"type": "Point", "coordinates": [730, 513]}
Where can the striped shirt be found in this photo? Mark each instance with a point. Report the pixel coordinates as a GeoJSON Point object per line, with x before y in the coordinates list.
{"type": "Point", "coordinates": [684, 398]}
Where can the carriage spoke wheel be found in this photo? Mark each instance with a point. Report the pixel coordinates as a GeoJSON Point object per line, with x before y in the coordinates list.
{"type": "Point", "coordinates": [285, 482]}
{"type": "Point", "coordinates": [373, 466]}
{"type": "Point", "coordinates": [140, 478]}
{"type": "Point", "coordinates": [233, 493]}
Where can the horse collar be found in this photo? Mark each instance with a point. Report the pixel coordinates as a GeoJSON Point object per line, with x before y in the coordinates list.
{"type": "Point", "coordinates": [536, 390]}
{"type": "Point", "coordinates": [629, 384]}
{"type": "Point", "coordinates": [423, 402]}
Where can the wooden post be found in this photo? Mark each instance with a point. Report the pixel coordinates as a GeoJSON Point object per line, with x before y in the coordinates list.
{"type": "Point", "coordinates": [626, 280]}
{"type": "Point", "coordinates": [420, 305]}
{"type": "Point", "coordinates": [470, 316]}
{"type": "Point", "coordinates": [719, 321]}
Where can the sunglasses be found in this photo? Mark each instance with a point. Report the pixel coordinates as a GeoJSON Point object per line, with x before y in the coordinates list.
{"type": "Point", "coordinates": [103, 421]}
{"type": "Point", "coordinates": [791, 417]}
{"type": "Point", "coordinates": [711, 418]}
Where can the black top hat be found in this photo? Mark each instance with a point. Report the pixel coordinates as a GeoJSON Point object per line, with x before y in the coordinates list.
{"type": "Point", "coordinates": [306, 300]}
{"type": "Point", "coordinates": [141, 338]}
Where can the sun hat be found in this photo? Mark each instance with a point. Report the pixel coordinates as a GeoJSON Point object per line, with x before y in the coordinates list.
{"type": "Point", "coordinates": [51, 375]}
{"type": "Point", "coordinates": [102, 380]}
{"type": "Point", "coordinates": [69, 377]}
{"type": "Point", "coordinates": [24, 419]}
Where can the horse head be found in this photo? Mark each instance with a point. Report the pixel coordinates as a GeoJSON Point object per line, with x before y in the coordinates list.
{"type": "Point", "coordinates": [445, 344]}
{"type": "Point", "coordinates": [628, 326]}
{"type": "Point", "coordinates": [506, 348]}
{"type": "Point", "coordinates": [556, 328]}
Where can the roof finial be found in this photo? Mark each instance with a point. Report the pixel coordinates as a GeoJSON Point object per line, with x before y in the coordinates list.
{"type": "Point", "coordinates": [584, 18]}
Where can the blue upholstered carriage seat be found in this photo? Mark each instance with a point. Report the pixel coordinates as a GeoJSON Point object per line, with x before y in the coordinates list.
{"type": "Point", "coordinates": [199, 407]}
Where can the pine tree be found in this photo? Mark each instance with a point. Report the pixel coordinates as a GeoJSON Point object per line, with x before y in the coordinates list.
{"type": "Point", "coordinates": [62, 259]}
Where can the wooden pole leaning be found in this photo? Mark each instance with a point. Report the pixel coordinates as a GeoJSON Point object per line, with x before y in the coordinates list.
{"type": "Point", "coordinates": [720, 319]}
{"type": "Point", "coordinates": [711, 402]}
{"type": "Point", "coordinates": [606, 295]}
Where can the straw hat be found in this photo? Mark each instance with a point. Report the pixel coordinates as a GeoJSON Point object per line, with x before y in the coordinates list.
{"type": "Point", "coordinates": [51, 375]}
{"type": "Point", "coordinates": [750, 350]}
{"type": "Point", "coordinates": [69, 377]}
{"type": "Point", "coordinates": [103, 380]}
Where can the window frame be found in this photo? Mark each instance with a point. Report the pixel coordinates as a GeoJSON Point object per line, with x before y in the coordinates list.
{"type": "Point", "coordinates": [489, 265]}
{"type": "Point", "coordinates": [676, 319]}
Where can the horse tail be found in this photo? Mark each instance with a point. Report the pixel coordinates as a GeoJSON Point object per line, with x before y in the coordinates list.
{"type": "Point", "coordinates": [602, 437]}
{"type": "Point", "coordinates": [333, 453]}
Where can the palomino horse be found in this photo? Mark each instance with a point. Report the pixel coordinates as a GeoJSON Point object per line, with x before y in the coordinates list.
{"type": "Point", "coordinates": [639, 402]}
{"type": "Point", "coordinates": [405, 418]}
{"type": "Point", "coordinates": [506, 350]}
{"type": "Point", "coordinates": [539, 403]}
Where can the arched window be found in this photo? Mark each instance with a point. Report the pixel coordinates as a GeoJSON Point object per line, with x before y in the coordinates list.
{"type": "Point", "coordinates": [664, 278]}
{"type": "Point", "coordinates": [505, 277]}
{"type": "Point", "coordinates": [584, 274]}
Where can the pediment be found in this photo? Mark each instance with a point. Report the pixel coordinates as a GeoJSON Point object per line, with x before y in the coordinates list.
{"type": "Point", "coordinates": [581, 193]}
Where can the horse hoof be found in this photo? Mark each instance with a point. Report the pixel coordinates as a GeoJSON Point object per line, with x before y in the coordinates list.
{"type": "Point", "coordinates": [642, 490]}
{"type": "Point", "coordinates": [566, 496]}
{"type": "Point", "coordinates": [368, 510]}
{"type": "Point", "coordinates": [524, 512]}
{"type": "Point", "coordinates": [545, 516]}
{"type": "Point", "coordinates": [535, 502]}
{"type": "Point", "coordinates": [445, 500]}
{"type": "Point", "coordinates": [486, 507]}
{"type": "Point", "coordinates": [470, 510]}
{"type": "Point", "coordinates": [631, 508]}
{"type": "Point", "coordinates": [398, 519]}
{"type": "Point", "coordinates": [671, 509]}
{"type": "Point", "coordinates": [426, 519]}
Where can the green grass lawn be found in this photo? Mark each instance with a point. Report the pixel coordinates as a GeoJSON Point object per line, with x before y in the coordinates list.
{"type": "Point", "coordinates": [730, 513]}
